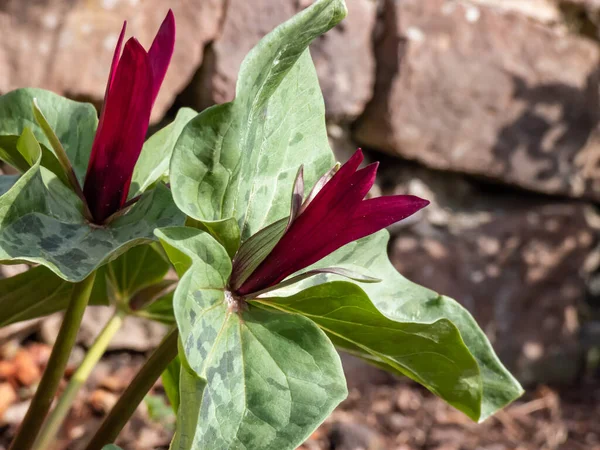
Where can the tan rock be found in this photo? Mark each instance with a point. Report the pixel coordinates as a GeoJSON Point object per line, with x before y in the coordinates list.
{"type": "Point", "coordinates": [102, 401]}
{"type": "Point", "coordinates": [27, 371]}
{"type": "Point", "coordinates": [67, 46]}
{"type": "Point", "coordinates": [343, 56]}
{"type": "Point", "coordinates": [486, 92]}
{"type": "Point", "coordinates": [7, 397]}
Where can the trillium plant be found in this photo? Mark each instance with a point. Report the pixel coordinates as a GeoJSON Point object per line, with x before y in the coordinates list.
{"type": "Point", "coordinates": [280, 261]}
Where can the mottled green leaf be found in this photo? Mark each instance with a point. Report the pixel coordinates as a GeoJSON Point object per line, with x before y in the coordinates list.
{"type": "Point", "coordinates": [41, 222]}
{"type": "Point", "coordinates": [41, 219]}
{"type": "Point", "coordinates": [39, 292]}
{"type": "Point", "coordinates": [271, 377]}
{"type": "Point", "coordinates": [182, 246]}
{"type": "Point", "coordinates": [153, 163]}
{"type": "Point", "coordinates": [432, 354]}
{"type": "Point", "coordinates": [405, 301]}
{"type": "Point", "coordinates": [239, 159]}
{"type": "Point", "coordinates": [73, 122]}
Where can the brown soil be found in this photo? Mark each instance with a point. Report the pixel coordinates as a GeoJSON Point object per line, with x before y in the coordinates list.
{"type": "Point", "coordinates": [380, 413]}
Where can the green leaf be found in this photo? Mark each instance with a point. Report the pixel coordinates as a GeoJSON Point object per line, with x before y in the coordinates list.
{"type": "Point", "coordinates": [11, 155]}
{"type": "Point", "coordinates": [41, 219]}
{"type": "Point", "coordinates": [405, 301]}
{"type": "Point", "coordinates": [73, 122]}
{"type": "Point", "coordinates": [29, 147]}
{"type": "Point", "coordinates": [160, 310]}
{"type": "Point", "coordinates": [111, 447]}
{"type": "Point", "coordinates": [159, 411]}
{"type": "Point", "coordinates": [138, 268]}
{"type": "Point", "coordinates": [191, 391]}
{"type": "Point", "coordinates": [153, 163]}
{"type": "Point", "coordinates": [170, 381]}
{"type": "Point", "coordinates": [40, 223]}
{"type": "Point", "coordinates": [181, 245]}
{"type": "Point", "coordinates": [226, 232]}
{"type": "Point", "coordinates": [271, 377]}
{"type": "Point", "coordinates": [432, 354]}
{"type": "Point", "coordinates": [39, 292]}
{"type": "Point", "coordinates": [239, 159]}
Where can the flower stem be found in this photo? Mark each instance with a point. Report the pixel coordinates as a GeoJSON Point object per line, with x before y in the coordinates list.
{"type": "Point", "coordinates": [55, 369]}
{"type": "Point", "coordinates": [135, 392]}
{"type": "Point", "coordinates": [56, 417]}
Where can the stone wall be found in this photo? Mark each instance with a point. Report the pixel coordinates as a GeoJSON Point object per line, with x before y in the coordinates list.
{"type": "Point", "coordinates": [489, 108]}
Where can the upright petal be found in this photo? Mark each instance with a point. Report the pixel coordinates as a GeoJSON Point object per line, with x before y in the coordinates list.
{"type": "Point", "coordinates": [120, 137]}
{"type": "Point", "coordinates": [315, 232]}
{"type": "Point", "coordinates": [336, 216]}
{"type": "Point", "coordinates": [111, 76]}
{"type": "Point", "coordinates": [115, 61]}
{"type": "Point", "coordinates": [161, 51]}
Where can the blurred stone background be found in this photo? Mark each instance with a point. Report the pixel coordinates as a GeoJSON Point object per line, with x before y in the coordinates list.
{"type": "Point", "coordinates": [489, 108]}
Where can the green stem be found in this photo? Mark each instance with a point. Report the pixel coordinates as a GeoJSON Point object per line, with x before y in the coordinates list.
{"type": "Point", "coordinates": [52, 425]}
{"type": "Point", "coordinates": [57, 363]}
{"type": "Point", "coordinates": [135, 392]}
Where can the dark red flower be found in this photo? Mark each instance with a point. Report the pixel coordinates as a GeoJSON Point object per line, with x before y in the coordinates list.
{"type": "Point", "coordinates": [133, 83]}
{"type": "Point", "coordinates": [336, 216]}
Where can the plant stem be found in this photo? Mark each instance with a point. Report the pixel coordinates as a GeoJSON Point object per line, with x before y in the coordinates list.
{"type": "Point", "coordinates": [57, 415]}
{"type": "Point", "coordinates": [135, 392]}
{"type": "Point", "coordinates": [55, 369]}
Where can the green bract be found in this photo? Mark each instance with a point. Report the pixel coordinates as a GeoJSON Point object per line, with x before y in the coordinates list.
{"type": "Point", "coordinates": [41, 219]}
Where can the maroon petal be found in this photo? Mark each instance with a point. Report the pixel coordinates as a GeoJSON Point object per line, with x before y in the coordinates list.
{"type": "Point", "coordinates": [161, 51]}
{"type": "Point", "coordinates": [111, 77]}
{"type": "Point", "coordinates": [315, 232]}
{"type": "Point", "coordinates": [120, 136]}
{"type": "Point", "coordinates": [336, 216]}
{"type": "Point", "coordinates": [115, 60]}
{"type": "Point", "coordinates": [378, 213]}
